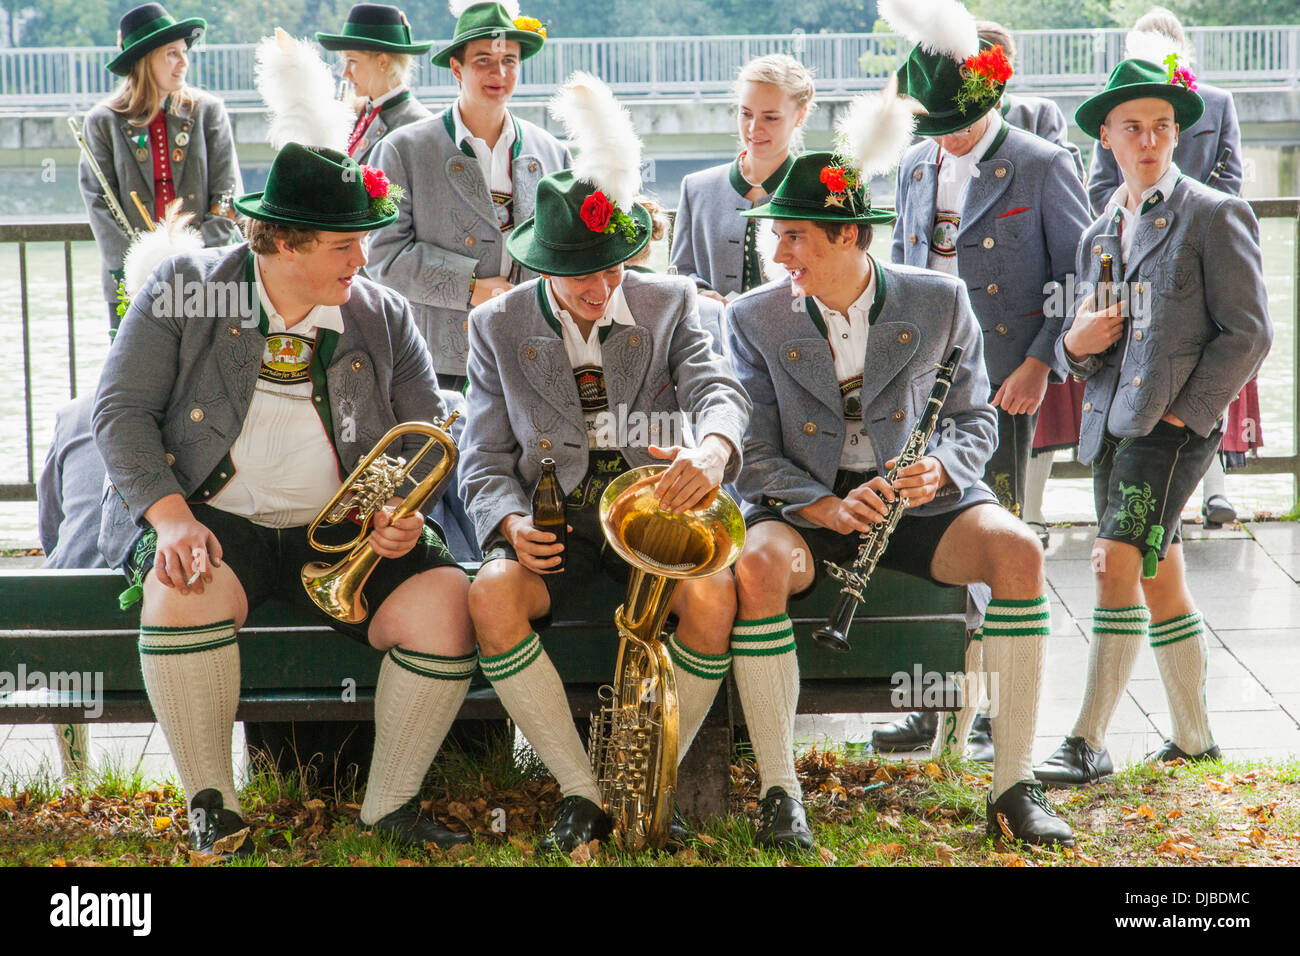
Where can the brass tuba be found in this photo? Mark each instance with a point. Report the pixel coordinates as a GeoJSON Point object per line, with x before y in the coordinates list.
{"type": "Point", "coordinates": [336, 589]}
{"type": "Point", "coordinates": [634, 734]}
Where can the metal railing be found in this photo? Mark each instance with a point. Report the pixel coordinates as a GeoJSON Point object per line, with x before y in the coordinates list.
{"type": "Point", "coordinates": [686, 65]}
{"type": "Point", "coordinates": [69, 232]}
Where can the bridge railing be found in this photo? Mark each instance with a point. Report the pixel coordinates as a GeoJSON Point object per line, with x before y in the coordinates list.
{"type": "Point", "coordinates": [685, 65]}
{"type": "Point", "coordinates": [50, 328]}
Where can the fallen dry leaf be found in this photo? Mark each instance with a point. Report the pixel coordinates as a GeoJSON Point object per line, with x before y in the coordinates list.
{"type": "Point", "coordinates": [203, 859]}
{"type": "Point", "coordinates": [945, 853]}
{"type": "Point", "coordinates": [1005, 827]}
{"type": "Point", "coordinates": [161, 823]}
{"type": "Point", "coordinates": [892, 850]}
{"type": "Point", "coordinates": [827, 856]}
{"type": "Point", "coordinates": [706, 839]}
{"type": "Point", "coordinates": [1008, 859]}
{"type": "Point", "coordinates": [1147, 811]}
{"type": "Point", "coordinates": [584, 853]}
{"type": "Point", "coordinates": [932, 771]}
{"type": "Point", "coordinates": [523, 846]}
{"type": "Point", "coordinates": [1173, 814]}
{"type": "Point", "coordinates": [231, 842]}
{"type": "Point", "coordinates": [58, 861]}
{"type": "Point", "coordinates": [8, 803]}
{"type": "Point", "coordinates": [687, 857]}
{"type": "Point", "coordinates": [1257, 837]}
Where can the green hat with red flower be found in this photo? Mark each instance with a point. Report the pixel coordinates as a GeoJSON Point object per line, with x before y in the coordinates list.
{"type": "Point", "coordinates": [312, 187]}
{"type": "Point", "coordinates": [587, 218]}
{"type": "Point", "coordinates": [479, 20]}
{"type": "Point", "coordinates": [870, 139]}
{"type": "Point", "coordinates": [956, 76]}
{"type": "Point", "coordinates": [1142, 79]}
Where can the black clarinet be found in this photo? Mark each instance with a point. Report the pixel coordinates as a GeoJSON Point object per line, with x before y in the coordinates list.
{"type": "Point", "coordinates": [1220, 166]}
{"type": "Point", "coordinates": [834, 634]}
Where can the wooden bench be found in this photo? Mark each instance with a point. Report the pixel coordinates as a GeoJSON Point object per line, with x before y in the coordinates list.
{"type": "Point", "coordinates": [294, 668]}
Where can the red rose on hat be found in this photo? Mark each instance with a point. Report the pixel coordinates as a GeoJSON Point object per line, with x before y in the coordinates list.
{"type": "Point", "coordinates": [596, 210]}
{"type": "Point", "coordinates": [833, 177]}
{"type": "Point", "coordinates": [376, 182]}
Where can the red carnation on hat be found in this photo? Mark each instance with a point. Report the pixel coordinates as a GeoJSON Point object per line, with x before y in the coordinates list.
{"type": "Point", "coordinates": [992, 64]}
{"type": "Point", "coordinates": [596, 210]}
{"type": "Point", "coordinates": [833, 177]}
{"type": "Point", "coordinates": [376, 182]}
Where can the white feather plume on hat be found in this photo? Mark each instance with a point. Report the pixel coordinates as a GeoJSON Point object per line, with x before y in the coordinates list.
{"type": "Point", "coordinates": [940, 26]}
{"type": "Point", "coordinates": [171, 237]}
{"type": "Point", "coordinates": [872, 136]}
{"type": "Point", "coordinates": [606, 147]}
{"type": "Point", "coordinates": [1154, 46]}
{"type": "Point", "coordinates": [457, 7]}
{"type": "Point", "coordinates": [298, 90]}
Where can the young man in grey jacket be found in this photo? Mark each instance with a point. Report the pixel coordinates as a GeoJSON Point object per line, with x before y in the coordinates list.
{"type": "Point", "coordinates": [1189, 328]}
{"type": "Point", "coordinates": [243, 387]}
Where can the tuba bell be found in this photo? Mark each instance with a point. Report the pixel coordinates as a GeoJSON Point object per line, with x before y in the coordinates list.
{"type": "Point", "coordinates": [336, 589]}
{"type": "Point", "coordinates": [634, 733]}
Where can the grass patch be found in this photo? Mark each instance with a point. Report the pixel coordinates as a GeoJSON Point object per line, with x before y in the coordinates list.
{"type": "Point", "coordinates": [864, 813]}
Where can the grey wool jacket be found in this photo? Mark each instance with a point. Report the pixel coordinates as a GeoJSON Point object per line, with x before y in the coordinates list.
{"type": "Point", "coordinates": [1019, 231]}
{"type": "Point", "coordinates": [796, 432]}
{"type": "Point", "coordinates": [1197, 154]}
{"type": "Point", "coordinates": [1199, 328]}
{"type": "Point", "coordinates": [709, 232]}
{"type": "Point", "coordinates": [446, 230]}
{"type": "Point", "coordinates": [175, 390]}
{"type": "Point", "coordinates": [208, 168]}
{"type": "Point", "coordinates": [410, 110]}
{"type": "Point", "coordinates": [1043, 118]}
{"type": "Point", "coordinates": [523, 401]}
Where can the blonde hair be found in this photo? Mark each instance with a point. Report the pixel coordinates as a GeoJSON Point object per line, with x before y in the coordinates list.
{"type": "Point", "coordinates": [138, 97]}
{"type": "Point", "coordinates": [658, 228]}
{"type": "Point", "coordinates": [791, 77]}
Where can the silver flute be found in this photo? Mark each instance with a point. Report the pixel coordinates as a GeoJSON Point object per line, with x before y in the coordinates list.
{"type": "Point", "coordinates": [109, 199]}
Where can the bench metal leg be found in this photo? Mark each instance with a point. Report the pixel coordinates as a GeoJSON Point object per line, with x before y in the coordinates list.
{"type": "Point", "coordinates": [74, 751]}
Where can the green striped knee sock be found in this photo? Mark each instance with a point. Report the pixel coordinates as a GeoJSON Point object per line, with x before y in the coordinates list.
{"type": "Point", "coordinates": [1015, 647]}
{"type": "Point", "coordinates": [1117, 635]}
{"type": "Point", "coordinates": [529, 687]}
{"type": "Point", "coordinates": [698, 677]}
{"type": "Point", "coordinates": [954, 726]}
{"type": "Point", "coordinates": [192, 677]}
{"type": "Point", "coordinates": [1179, 646]}
{"type": "Point", "coordinates": [417, 698]}
{"type": "Point", "coordinates": [767, 677]}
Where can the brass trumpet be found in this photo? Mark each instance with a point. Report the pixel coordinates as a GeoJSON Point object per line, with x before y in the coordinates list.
{"type": "Point", "coordinates": [336, 589]}
{"type": "Point", "coordinates": [634, 735]}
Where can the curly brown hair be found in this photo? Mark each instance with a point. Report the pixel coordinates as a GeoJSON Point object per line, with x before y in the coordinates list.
{"type": "Point", "coordinates": [264, 237]}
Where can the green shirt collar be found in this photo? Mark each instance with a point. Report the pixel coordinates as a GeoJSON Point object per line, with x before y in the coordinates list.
{"type": "Point", "coordinates": [877, 302]}
{"type": "Point", "coordinates": [742, 185]}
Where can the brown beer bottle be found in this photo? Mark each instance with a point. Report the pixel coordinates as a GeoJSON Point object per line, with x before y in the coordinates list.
{"type": "Point", "coordinates": [548, 506]}
{"type": "Point", "coordinates": [1106, 294]}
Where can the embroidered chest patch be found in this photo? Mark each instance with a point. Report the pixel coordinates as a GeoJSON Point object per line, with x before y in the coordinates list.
{"type": "Point", "coordinates": [851, 393]}
{"type": "Point", "coordinates": [285, 359]}
{"type": "Point", "coordinates": [504, 205]}
{"type": "Point", "coordinates": [943, 241]}
{"type": "Point", "coordinates": [591, 388]}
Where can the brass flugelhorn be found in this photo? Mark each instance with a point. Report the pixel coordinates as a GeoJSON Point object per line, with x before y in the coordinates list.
{"type": "Point", "coordinates": [634, 735]}
{"type": "Point", "coordinates": [336, 589]}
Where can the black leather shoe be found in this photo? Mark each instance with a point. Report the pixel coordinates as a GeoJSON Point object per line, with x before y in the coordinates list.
{"type": "Point", "coordinates": [1030, 818]}
{"type": "Point", "coordinates": [577, 821]}
{"type": "Point", "coordinates": [782, 823]}
{"type": "Point", "coordinates": [979, 746]}
{"type": "Point", "coordinates": [1218, 511]}
{"type": "Point", "coordinates": [410, 829]}
{"type": "Point", "coordinates": [913, 732]}
{"type": "Point", "coordinates": [1171, 751]}
{"type": "Point", "coordinates": [1075, 764]}
{"type": "Point", "coordinates": [210, 821]}
{"type": "Point", "coordinates": [680, 833]}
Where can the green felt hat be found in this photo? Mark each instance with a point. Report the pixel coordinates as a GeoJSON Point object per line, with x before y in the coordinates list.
{"type": "Point", "coordinates": [559, 240]}
{"type": "Point", "coordinates": [145, 28]}
{"type": "Point", "coordinates": [936, 81]}
{"type": "Point", "coordinates": [484, 21]}
{"type": "Point", "coordinates": [377, 27]}
{"type": "Point", "coordinates": [813, 190]}
{"type": "Point", "coordinates": [1137, 80]}
{"type": "Point", "coordinates": [312, 187]}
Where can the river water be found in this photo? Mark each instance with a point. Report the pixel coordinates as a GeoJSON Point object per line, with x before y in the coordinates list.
{"type": "Point", "coordinates": [51, 385]}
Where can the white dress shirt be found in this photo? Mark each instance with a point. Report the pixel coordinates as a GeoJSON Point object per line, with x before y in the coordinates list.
{"type": "Point", "coordinates": [847, 335]}
{"type": "Point", "coordinates": [495, 163]}
{"type": "Point", "coordinates": [586, 356]}
{"type": "Point", "coordinates": [1118, 205]}
{"type": "Point", "coordinates": [955, 174]}
{"type": "Point", "coordinates": [285, 467]}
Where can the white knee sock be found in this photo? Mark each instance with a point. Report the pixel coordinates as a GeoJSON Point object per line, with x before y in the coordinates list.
{"type": "Point", "coordinates": [954, 726]}
{"type": "Point", "coordinates": [417, 698]}
{"type": "Point", "coordinates": [1117, 635]}
{"type": "Point", "coordinates": [1040, 469]}
{"type": "Point", "coordinates": [192, 677]}
{"type": "Point", "coordinates": [529, 686]}
{"type": "Point", "coordinates": [1213, 483]}
{"type": "Point", "coordinates": [698, 677]}
{"type": "Point", "coordinates": [1015, 647]}
{"type": "Point", "coordinates": [1179, 646]}
{"type": "Point", "coordinates": [767, 678]}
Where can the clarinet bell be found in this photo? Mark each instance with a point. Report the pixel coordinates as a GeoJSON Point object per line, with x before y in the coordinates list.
{"type": "Point", "coordinates": [831, 639]}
